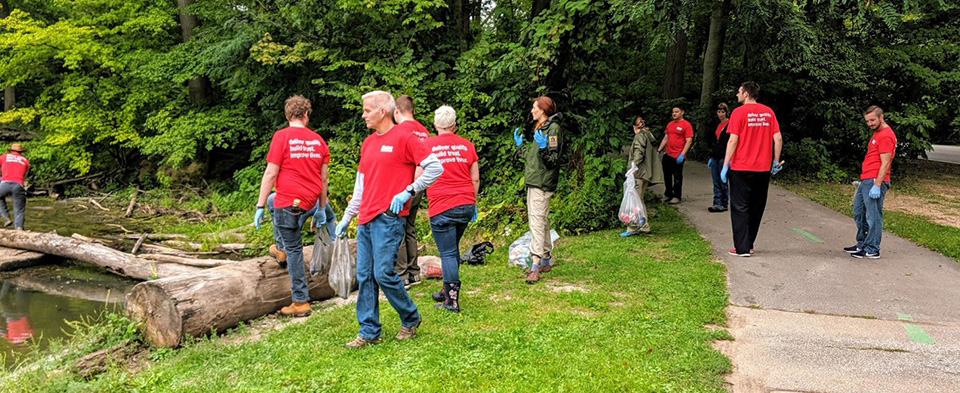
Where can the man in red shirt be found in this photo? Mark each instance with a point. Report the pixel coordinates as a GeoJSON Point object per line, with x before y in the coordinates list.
{"type": "Point", "coordinates": [13, 170]}
{"type": "Point", "coordinates": [874, 183]}
{"type": "Point", "coordinates": [677, 138]}
{"type": "Point", "coordinates": [753, 154]}
{"type": "Point", "coordinates": [407, 267]}
{"type": "Point", "coordinates": [385, 183]}
{"type": "Point", "coordinates": [297, 166]}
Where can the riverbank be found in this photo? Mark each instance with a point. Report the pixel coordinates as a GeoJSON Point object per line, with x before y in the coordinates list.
{"type": "Point", "coordinates": [636, 314]}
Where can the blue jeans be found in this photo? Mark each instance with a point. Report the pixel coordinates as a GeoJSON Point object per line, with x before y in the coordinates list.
{"type": "Point", "coordinates": [447, 228]}
{"type": "Point", "coordinates": [720, 190]}
{"type": "Point", "coordinates": [331, 220]}
{"type": "Point", "coordinates": [19, 197]}
{"type": "Point", "coordinates": [868, 214]}
{"type": "Point", "coordinates": [286, 222]}
{"type": "Point", "coordinates": [377, 245]}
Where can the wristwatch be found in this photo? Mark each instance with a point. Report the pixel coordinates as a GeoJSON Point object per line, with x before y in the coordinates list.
{"type": "Point", "coordinates": [410, 190]}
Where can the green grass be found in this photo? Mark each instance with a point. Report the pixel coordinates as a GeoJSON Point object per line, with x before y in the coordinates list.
{"type": "Point", "coordinates": [918, 229]}
{"type": "Point", "coordinates": [633, 320]}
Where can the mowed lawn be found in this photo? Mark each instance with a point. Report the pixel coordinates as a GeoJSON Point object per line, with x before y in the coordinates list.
{"type": "Point", "coordinates": [615, 315]}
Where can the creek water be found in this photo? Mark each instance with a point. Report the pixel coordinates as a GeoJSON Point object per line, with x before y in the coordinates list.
{"type": "Point", "coordinates": [41, 304]}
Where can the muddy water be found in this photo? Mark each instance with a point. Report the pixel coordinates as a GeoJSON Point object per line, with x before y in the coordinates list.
{"type": "Point", "coordinates": [37, 304]}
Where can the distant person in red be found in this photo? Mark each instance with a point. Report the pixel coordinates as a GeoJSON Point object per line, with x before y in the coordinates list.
{"type": "Point", "coordinates": [406, 265]}
{"type": "Point", "coordinates": [452, 200]}
{"type": "Point", "coordinates": [874, 183]}
{"type": "Point", "coordinates": [720, 191]}
{"type": "Point", "coordinates": [677, 138]}
{"type": "Point", "coordinates": [297, 167]}
{"type": "Point", "coordinates": [13, 170]}
{"type": "Point", "coordinates": [753, 154]}
{"type": "Point", "coordinates": [385, 183]}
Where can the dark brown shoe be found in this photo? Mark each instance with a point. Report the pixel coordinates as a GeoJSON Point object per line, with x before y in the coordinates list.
{"type": "Point", "coordinates": [296, 310]}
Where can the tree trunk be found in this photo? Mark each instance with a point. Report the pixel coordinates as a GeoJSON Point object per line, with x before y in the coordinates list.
{"type": "Point", "coordinates": [712, 59]}
{"type": "Point", "coordinates": [460, 11]}
{"type": "Point", "coordinates": [674, 66]}
{"type": "Point", "coordinates": [114, 261]}
{"type": "Point", "coordinates": [538, 7]}
{"type": "Point", "coordinates": [197, 87]}
{"type": "Point", "coordinates": [215, 299]}
{"type": "Point", "coordinates": [11, 259]}
{"type": "Point", "coordinates": [9, 93]}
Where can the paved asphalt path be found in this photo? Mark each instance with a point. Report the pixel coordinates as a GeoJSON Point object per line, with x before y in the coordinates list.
{"type": "Point", "coordinates": [807, 317]}
{"type": "Point", "coordinates": [944, 153]}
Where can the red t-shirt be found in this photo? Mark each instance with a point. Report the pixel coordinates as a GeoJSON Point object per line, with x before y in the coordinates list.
{"type": "Point", "coordinates": [14, 168]}
{"type": "Point", "coordinates": [882, 141]}
{"type": "Point", "coordinates": [388, 163]}
{"type": "Point", "coordinates": [677, 133]}
{"type": "Point", "coordinates": [300, 153]}
{"type": "Point", "coordinates": [720, 128]}
{"type": "Point", "coordinates": [755, 124]}
{"type": "Point", "coordinates": [415, 127]}
{"type": "Point", "coordinates": [455, 186]}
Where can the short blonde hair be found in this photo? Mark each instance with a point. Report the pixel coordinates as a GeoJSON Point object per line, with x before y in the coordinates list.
{"type": "Point", "coordinates": [296, 107]}
{"type": "Point", "coordinates": [382, 100]}
{"type": "Point", "coordinates": [445, 117]}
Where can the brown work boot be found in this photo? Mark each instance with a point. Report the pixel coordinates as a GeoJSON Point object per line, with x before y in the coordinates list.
{"type": "Point", "coordinates": [361, 342]}
{"type": "Point", "coordinates": [279, 255]}
{"type": "Point", "coordinates": [407, 333]}
{"type": "Point", "coordinates": [533, 276]}
{"type": "Point", "coordinates": [296, 310]}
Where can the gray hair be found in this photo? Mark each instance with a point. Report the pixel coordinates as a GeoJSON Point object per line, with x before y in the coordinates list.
{"type": "Point", "coordinates": [382, 100]}
{"type": "Point", "coordinates": [445, 117]}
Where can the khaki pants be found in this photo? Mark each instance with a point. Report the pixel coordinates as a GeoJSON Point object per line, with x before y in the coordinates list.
{"type": "Point", "coordinates": [538, 206]}
{"type": "Point", "coordinates": [640, 188]}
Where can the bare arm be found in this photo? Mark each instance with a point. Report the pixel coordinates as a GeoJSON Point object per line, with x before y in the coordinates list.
{"type": "Point", "coordinates": [663, 143]}
{"type": "Point", "coordinates": [885, 160]}
{"type": "Point", "coordinates": [777, 146]}
{"type": "Point", "coordinates": [475, 177]}
{"type": "Point", "coordinates": [732, 147]}
{"type": "Point", "coordinates": [686, 146]}
{"type": "Point", "coordinates": [324, 179]}
{"type": "Point", "coordinates": [267, 182]}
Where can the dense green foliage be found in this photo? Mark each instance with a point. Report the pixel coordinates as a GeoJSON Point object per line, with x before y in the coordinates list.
{"type": "Point", "coordinates": [104, 82]}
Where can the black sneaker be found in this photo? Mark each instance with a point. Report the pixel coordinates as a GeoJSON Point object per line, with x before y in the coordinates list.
{"type": "Point", "coordinates": [852, 249]}
{"type": "Point", "coordinates": [411, 281]}
{"type": "Point", "coordinates": [716, 209]}
{"type": "Point", "coordinates": [864, 254]}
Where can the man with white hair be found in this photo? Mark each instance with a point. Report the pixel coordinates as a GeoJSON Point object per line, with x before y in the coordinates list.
{"type": "Point", "coordinates": [452, 201]}
{"type": "Point", "coordinates": [388, 162]}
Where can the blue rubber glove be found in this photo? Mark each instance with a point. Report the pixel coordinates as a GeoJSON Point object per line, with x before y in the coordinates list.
{"type": "Point", "coordinates": [680, 158]}
{"type": "Point", "coordinates": [320, 217]}
{"type": "Point", "coordinates": [517, 136]}
{"type": "Point", "coordinates": [475, 212]}
{"type": "Point", "coordinates": [257, 217]}
{"type": "Point", "coordinates": [710, 163]}
{"type": "Point", "coordinates": [775, 168]}
{"type": "Point", "coordinates": [342, 227]}
{"type": "Point", "coordinates": [396, 205]}
{"type": "Point", "coordinates": [875, 192]}
{"type": "Point", "coordinates": [723, 173]}
{"type": "Point", "coordinates": [540, 139]}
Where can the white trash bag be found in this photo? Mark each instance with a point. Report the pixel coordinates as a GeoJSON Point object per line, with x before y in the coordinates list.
{"type": "Point", "coordinates": [631, 207]}
{"type": "Point", "coordinates": [343, 268]}
{"type": "Point", "coordinates": [520, 250]}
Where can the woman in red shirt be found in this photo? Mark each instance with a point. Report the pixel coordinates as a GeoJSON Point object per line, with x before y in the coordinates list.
{"type": "Point", "coordinates": [452, 200]}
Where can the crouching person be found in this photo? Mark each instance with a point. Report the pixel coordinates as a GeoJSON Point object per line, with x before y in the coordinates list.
{"type": "Point", "coordinates": [297, 166]}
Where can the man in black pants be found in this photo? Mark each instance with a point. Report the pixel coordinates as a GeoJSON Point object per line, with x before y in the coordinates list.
{"type": "Point", "coordinates": [406, 265]}
{"type": "Point", "coordinates": [753, 154]}
{"type": "Point", "coordinates": [677, 138]}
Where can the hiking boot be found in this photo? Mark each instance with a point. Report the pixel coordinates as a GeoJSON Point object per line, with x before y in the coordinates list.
{"type": "Point", "coordinates": [716, 209]}
{"type": "Point", "coordinates": [452, 301]}
{"type": "Point", "coordinates": [7, 222]}
{"type": "Point", "coordinates": [296, 309]}
{"type": "Point", "coordinates": [852, 249]}
{"type": "Point", "coordinates": [673, 201]}
{"type": "Point", "coordinates": [361, 342]}
{"type": "Point", "coordinates": [868, 255]}
{"type": "Point", "coordinates": [279, 255]}
{"type": "Point", "coordinates": [533, 276]}
{"type": "Point", "coordinates": [546, 264]}
{"type": "Point", "coordinates": [407, 333]}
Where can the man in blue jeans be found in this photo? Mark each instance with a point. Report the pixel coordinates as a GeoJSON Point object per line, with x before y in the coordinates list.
{"type": "Point", "coordinates": [874, 183]}
{"type": "Point", "coordinates": [321, 216]}
{"type": "Point", "coordinates": [385, 183]}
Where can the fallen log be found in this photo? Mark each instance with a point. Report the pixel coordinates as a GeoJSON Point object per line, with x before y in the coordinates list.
{"type": "Point", "coordinates": [98, 205]}
{"type": "Point", "coordinates": [96, 291]}
{"type": "Point", "coordinates": [114, 261]}
{"type": "Point", "coordinates": [188, 261]}
{"type": "Point", "coordinates": [215, 299]}
{"type": "Point", "coordinates": [154, 236]}
{"type": "Point", "coordinates": [133, 202]}
{"type": "Point", "coordinates": [11, 259]}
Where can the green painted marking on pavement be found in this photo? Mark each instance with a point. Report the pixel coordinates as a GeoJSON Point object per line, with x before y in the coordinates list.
{"type": "Point", "coordinates": [918, 335]}
{"type": "Point", "coordinates": [904, 317]}
{"type": "Point", "coordinates": [808, 235]}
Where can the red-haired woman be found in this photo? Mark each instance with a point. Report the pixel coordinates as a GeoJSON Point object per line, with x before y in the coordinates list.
{"type": "Point", "coordinates": [540, 176]}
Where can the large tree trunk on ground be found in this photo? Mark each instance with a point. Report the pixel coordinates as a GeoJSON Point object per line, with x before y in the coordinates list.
{"type": "Point", "coordinates": [674, 66]}
{"type": "Point", "coordinates": [215, 299]}
{"type": "Point", "coordinates": [114, 261]}
{"type": "Point", "coordinates": [11, 259]}
{"type": "Point", "coordinates": [712, 59]}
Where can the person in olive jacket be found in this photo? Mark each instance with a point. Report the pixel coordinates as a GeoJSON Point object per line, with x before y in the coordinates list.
{"type": "Point", "coordinates": [540, 176]}
{"type": "Point", "coordinates": [643, 154]}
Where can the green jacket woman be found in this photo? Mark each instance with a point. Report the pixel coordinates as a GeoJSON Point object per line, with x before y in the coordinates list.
{"type": "Point", "coordinates": [643, 154]}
